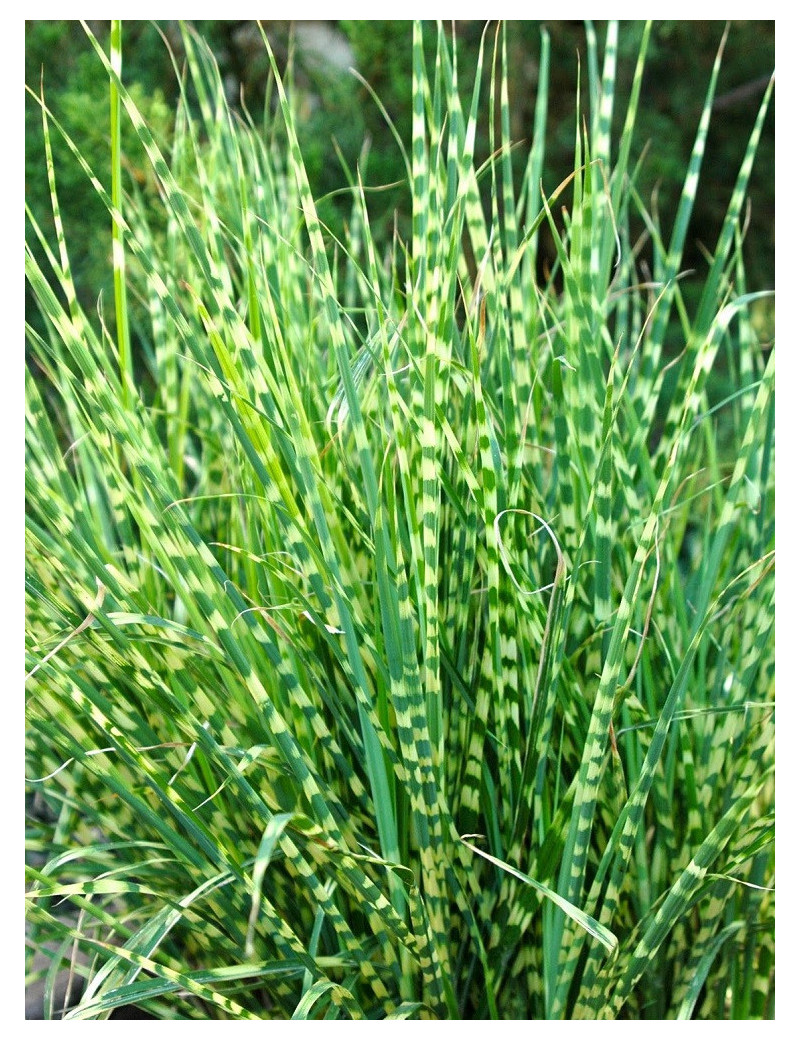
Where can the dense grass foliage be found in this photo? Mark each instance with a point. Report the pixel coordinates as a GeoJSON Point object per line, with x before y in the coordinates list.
{"type": "Point", "coordinates": [400, 638]}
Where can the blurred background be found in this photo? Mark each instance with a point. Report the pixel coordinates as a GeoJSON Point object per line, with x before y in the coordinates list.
{"type": "Point", "coordinates": [335, 106]}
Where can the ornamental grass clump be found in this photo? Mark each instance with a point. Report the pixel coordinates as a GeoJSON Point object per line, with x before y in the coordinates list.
{"type": "Point", "coordinates": [399, 625]}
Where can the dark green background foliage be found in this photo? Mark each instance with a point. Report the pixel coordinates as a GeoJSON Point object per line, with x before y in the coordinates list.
{"type": "Point", "coordinates": [679, 65]}
{"type": "Point", "coordinates": [341, 128]}
{"type": "Point", "coordinates": [338, 107]}
{"type": "Point", "coordinates": [59, 59]}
